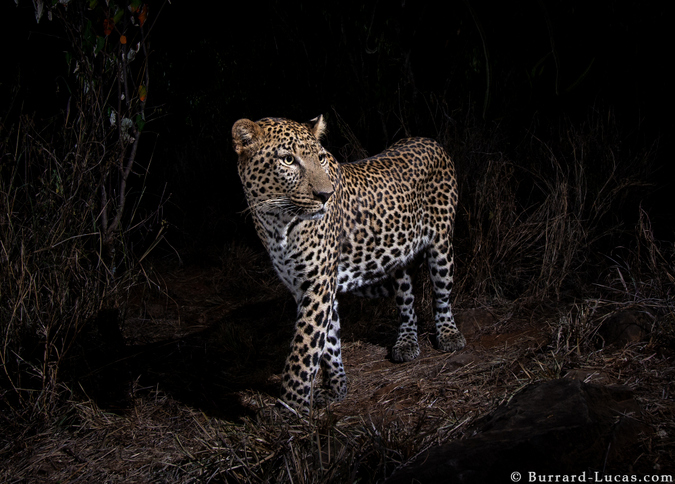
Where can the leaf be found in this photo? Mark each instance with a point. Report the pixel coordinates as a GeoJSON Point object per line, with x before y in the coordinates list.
{"type": "Point", "coordinates": [123, 39]}
{"type": "Point", "coordinates": [135, 5]}
{"type": "Point", "coordinates": [143, 16]}
{"type": "Point", "coordinates": [140, 122]}
{"type": "Point", "coordinates": [100, 43]}
{"type": "Point", "coordinates": [38, 10]}
{"type": "Point", "coordinates": [108, 26]}
{"type": "Point", "coordinates": [142, 93]}
{"type": "Point", "coordinates": [119, 13]}
{"type": "Point", "coordinates": [89, 37]}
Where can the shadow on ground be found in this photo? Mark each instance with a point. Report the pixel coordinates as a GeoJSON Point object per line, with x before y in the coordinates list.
{"type": "Point", "coordinates": [202, 352]}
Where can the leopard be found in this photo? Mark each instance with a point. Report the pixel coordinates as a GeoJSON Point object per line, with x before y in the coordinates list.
{"type": "Point", "coordinates": [333, 227]}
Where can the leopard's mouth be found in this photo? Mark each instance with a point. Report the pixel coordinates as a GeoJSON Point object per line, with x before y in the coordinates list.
{"type": "Point", "coordinates": [318, 215]}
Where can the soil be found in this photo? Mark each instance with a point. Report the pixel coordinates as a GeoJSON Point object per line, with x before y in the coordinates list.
{"type": "Point", "coordinates": [200, 350]}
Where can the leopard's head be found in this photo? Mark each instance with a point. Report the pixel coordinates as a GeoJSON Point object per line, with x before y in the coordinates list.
{"type": "Point", "coordinates": [283, 167]}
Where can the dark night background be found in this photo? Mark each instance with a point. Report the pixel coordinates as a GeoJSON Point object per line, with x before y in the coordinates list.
{"type": "Point", "coordinates": [387, 69]}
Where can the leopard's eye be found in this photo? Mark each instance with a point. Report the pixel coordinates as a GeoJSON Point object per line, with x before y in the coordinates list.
{"type": "Point", "coordinates": [323, 159]}
{"type": "Point", "coordinates": [287, 160]}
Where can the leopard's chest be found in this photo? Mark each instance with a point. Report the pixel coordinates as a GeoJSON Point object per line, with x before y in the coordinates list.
{"type": "Point", "coordinates": [303, 252]}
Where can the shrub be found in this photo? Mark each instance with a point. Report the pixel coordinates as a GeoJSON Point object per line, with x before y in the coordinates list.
{"type": "Point", "coordinates": [66, 201]}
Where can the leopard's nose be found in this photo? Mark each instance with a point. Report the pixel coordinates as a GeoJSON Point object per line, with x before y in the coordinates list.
{"type": "Point", "coordinates": [322, 195]}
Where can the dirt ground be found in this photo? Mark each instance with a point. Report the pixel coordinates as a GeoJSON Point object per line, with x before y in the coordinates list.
{"type": "Point", "coordinates": [186, 390]}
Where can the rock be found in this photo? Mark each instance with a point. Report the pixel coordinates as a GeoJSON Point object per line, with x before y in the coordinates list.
{"type": "Point", "coordinates": [623, 328]}
{"type": "Point", "coordinates": [589, 375]}
{"type": "Point", "coordinates": [463, 358]}
{"type": "Point", "coordinates": [472, 321]}
{"type": "Point", "coordinates": [554, 427]}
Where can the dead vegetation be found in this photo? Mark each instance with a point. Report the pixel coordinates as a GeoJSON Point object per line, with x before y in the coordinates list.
{"type": "Point", "coordinates": [201, 405]}
{"type": "Point", "coordinates": [183, 388]}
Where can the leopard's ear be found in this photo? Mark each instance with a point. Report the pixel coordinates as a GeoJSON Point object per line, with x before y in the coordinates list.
{"type": "Point", "coordinates": [317, 126]}
{"type": "Point", "coordinates": [246, 135]}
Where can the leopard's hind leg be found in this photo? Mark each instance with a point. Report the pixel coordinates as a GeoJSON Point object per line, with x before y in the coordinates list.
{"type": "Point", "coordinates": [407, 347]}
{"type": "Point", "coordinates": [441, 268]}
{"type": "Point", "coordinates": [399, 284]}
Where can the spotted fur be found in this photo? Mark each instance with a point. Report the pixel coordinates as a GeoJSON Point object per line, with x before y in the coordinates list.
{"type": "Point", "coordinates": [332, 227]}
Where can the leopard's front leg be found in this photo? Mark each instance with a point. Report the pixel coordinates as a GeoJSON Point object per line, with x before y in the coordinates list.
{"type": "Point", "coordinates": [334, 387]}
{"type": "Point", "coordinates": [316, 329]}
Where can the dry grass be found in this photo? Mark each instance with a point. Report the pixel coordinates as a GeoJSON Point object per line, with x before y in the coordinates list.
{"type": "Point", "coordinates": [70, 207]}
{"type": "Point", "coordinates": [396, 413]}
{"type": "Point", "coordinates": [533, 219]}
{"type": "Point", "coordinates": [183, 388]}
{"type": "Point", "coordinates": [392, 413]}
